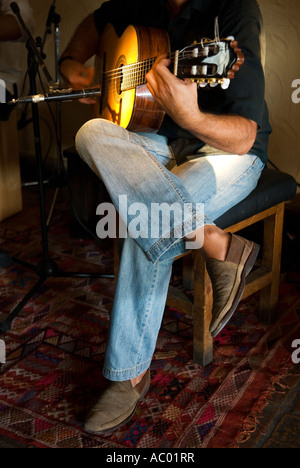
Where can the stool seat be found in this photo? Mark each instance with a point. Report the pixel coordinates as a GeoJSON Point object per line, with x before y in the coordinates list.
{"type": "Point", "coordinates": [273, 188]}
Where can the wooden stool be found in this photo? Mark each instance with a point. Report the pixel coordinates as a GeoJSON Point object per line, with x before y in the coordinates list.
{"type": "Point", "coordinates": [10, 177]}
{"type": "Point", "coordinates": [266, 204]}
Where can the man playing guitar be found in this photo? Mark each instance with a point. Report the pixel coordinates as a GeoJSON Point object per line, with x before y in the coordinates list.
{"type": "Point", "coordinates": [210, 148]}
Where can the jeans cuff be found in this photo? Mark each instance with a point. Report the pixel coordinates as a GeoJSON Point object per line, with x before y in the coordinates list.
{"type": "Point", "coordinates": [125, 374]}
{"type": "Point", "coordinates": [166, 243]}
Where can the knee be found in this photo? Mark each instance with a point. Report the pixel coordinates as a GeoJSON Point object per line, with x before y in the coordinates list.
{"type": "Point", "coordinates": [84, 135]}
{"type": "Point", "coordinates": [97, 131]}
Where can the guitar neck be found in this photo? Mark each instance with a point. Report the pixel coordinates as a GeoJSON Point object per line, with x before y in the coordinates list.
{"type": "Point", "coordinates": [134, 75]}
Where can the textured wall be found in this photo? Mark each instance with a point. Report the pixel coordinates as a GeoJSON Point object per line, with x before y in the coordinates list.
{"type": "Point", "coordinates": [282, 27]}
{"type": "Point", "coordinates": [72, 12]}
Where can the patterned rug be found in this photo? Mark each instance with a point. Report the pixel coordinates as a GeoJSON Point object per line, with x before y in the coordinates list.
{"type": "Point", "coordinates": [55, 352]}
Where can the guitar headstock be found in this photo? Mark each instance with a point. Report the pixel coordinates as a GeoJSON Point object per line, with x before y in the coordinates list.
{"type": "Point", "coordinates": [209, 62]}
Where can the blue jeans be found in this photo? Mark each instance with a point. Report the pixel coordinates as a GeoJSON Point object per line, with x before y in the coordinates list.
{"type": "Point", "coordinates": [142, 167]}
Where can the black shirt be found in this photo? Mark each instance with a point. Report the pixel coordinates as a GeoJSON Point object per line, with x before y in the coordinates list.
{"type": "Point", "coordinates": [238, 18]}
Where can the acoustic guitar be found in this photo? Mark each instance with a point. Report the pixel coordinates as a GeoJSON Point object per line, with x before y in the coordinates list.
{"type": "Point", "coordinates": [123, 62]}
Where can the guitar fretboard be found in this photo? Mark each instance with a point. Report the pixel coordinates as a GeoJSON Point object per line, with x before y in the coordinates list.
{"type": "Point", "coordinates": [207, 64]}
{"type": "Point", "coordinates": [132, 76]}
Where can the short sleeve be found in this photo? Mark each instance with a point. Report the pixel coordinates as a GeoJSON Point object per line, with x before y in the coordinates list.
{"type": "Point", "coordinates": [245, 95]}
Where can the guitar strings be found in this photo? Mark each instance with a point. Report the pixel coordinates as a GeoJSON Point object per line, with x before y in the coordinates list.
{"type": "Point", "coordinates": [173, 54]}
{"type": "Point", "coordinates": [141, 67]}
{"type": "Point", "coordinates": [135, 74]}
{"type": "Point", "coordinates": [142, 64]}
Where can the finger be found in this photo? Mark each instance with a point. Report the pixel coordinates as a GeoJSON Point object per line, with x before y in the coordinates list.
{"type": "Point", "coordinates": [78, 75]}
{"type": "Point", "coordinates": [149, 77]}
{"type": "Point", "coordinates": [162, 59]}
{"type": "Point", "coordinates": [86, 75]}
{"type": "Point", "coordinates": [153, 83]}
{"type": "Point", "coordinates": [90, 73]}
{"type": "Point", "coordinates": [150, 88]}
{"type": "Point", "coordinates": [79, 83]}
{"type": "Point", "coordinates": [87, 101]}
{"type": "Point", "coordinates": [162, 72]}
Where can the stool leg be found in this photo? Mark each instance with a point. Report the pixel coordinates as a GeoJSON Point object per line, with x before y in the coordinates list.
{"type": "Point", "coordinates": [203, 304]}
{"type": "Point", "coordinates": [273, 230]}
{"type": "Point", "coordinates": [188, 272]}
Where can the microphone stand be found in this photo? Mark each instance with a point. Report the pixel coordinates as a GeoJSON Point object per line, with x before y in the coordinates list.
{"type": "Point", "coordinates": [46, 267]}
{"type": "Point", "coordinates": [55, 19]}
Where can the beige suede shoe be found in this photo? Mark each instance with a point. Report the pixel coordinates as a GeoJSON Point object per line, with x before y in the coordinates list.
{"type": "Point", "coordinates": [229, 280]}
{"type": "Point", "coordinates": [116, 406]}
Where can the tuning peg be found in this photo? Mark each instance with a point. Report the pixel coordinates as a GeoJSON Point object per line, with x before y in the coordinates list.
{"type": "Point", "coordinates": [213, 82]}
{"type": "Point", "coordinates": [239, 62]}
{"type": "Point", "coordinates": [234, 44]}
{"type": "Point", "coordinates": [241, 57]}
{"type": "Point", "coordinates": [239, 53]}
{"type": "Point", "coordinates": [225, 83]}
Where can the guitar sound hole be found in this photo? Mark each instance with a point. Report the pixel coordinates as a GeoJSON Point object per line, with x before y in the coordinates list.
{"type": "Point", "coordinates": [119, 78]}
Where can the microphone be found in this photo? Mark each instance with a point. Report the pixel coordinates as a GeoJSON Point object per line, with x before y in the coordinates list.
{"type": "Point", "coordinates": [58, 96]}
{"type": "Point", "coordinates": [15, 8]}
{"type": "Point", "coordinates": [28, 36]}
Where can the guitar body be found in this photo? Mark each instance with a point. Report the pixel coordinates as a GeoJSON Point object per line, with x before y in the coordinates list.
{"type": "Point", "coordinates": [134, 109]}
{"type": "Point", "coordinates": [123, 63]}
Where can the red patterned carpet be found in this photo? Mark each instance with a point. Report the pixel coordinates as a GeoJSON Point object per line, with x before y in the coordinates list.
{"type": "Point", "coordinates": [56, 347]}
